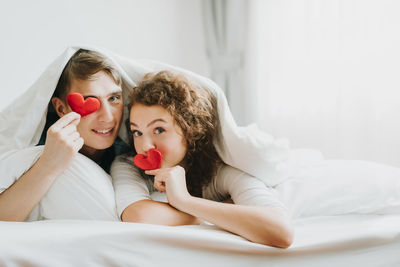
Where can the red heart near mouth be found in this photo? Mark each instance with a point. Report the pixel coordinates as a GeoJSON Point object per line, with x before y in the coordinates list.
{"type": "Point", "coordinates": [150, 162]}
{"type": "Point", "coordinates": [81, 106]}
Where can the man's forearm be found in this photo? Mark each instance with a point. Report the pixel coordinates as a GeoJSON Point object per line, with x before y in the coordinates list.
{"type": "Point", "coordinates": [18, 201]}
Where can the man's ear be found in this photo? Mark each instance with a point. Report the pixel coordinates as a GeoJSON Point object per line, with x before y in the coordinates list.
{"type": "Point", "coordinates": [59, 106]}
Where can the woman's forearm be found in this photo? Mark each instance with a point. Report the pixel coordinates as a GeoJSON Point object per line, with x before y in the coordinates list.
{"type": "Point", "coordinates": [262, 225]}
{"type": "Point", "coordinates": [155, 212]}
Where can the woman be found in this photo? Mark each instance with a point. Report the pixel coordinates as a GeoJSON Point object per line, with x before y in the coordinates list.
{"type": "Point", "coordinates": [177, 118]}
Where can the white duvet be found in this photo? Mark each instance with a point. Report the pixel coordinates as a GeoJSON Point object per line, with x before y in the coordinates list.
{"type": "Point", "coordinates": [245, 148]}
{"type": "Point", "coordinates": [84, 190]}
{"type": "Point", "coordinates": [316, 187]}
{"type": "Point", "coordinates": [309, 185]}
{"type": "Point", "coordinates": [345, 240]}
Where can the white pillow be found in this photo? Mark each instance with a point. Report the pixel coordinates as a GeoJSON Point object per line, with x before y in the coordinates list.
{"type": "Point", "coordinates": [84, 191]}
{"type": "Point", "coordinates": [332, 187]}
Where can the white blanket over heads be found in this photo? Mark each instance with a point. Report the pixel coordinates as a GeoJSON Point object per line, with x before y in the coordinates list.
{"type": "Point", "coordinates": [246, 148]}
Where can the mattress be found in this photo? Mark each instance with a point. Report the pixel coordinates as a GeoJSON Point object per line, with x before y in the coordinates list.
{"type": "Point", "coordinates": [343, 240]}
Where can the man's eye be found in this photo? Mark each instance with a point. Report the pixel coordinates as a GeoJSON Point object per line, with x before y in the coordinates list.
{"type": "Point", "coordinates": [115, 98]}
{"type": "Point", "coordinates": [136, 133]}
{"type": "Point", "coordinates": [159, 130]}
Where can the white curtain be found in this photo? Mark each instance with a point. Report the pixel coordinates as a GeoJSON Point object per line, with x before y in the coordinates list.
{"type": "Point", "coordinates": [225, 24]}
{"type": "Point", "coordinates": [326, 75]}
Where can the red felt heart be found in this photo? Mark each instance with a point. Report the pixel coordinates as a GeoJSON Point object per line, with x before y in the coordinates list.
{"type": "Point", "coordinates": [150, 162]}
{"type": "Point", "coordinates": [81, 106]}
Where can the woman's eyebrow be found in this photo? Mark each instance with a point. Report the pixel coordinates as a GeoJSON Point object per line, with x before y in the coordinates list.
{"type": "Point", "coordinates": [152, 122]}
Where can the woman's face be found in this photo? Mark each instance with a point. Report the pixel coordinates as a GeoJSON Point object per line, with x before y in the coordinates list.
{"type": "Point", "coordinates": [154, 127]}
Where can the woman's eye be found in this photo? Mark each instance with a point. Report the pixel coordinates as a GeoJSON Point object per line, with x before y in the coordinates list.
{"type": "Point", "coordinates": [136, 133]}
{"type": "Point", "coordinates": [159, 130]}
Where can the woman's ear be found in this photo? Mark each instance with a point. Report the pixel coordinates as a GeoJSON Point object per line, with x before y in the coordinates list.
{"type": "Point", "coordinates": [59, 106]}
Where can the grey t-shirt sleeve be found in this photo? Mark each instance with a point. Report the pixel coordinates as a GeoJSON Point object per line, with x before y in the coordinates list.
{"type": "Point", "coordinates": [129, 185]}
{"type": "Point", "coordinates": [243, 188]}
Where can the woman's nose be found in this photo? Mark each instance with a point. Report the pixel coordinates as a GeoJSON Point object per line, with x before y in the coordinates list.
{"type": "Point", "coordinates": [147, 144]}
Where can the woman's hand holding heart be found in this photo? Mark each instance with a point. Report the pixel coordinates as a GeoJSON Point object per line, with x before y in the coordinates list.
{"type": "Point", "coordinates": [169, 180]}
{"type": "Point", "coordinates": [173, 182]}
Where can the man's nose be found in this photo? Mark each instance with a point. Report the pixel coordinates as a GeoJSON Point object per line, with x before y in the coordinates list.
{"type": "Point", "coordinates": [105, 113]}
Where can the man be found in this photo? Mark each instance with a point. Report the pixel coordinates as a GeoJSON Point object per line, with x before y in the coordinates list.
{"type": "Point", "coordinates": [89, 74]}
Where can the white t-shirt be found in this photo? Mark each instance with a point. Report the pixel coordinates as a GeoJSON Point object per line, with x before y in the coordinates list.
{"type": "Point", "coordinates": [243, 188]}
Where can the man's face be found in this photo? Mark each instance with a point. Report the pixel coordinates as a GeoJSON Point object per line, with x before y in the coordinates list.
{"type": "Point", "coordinates": [100, 128]}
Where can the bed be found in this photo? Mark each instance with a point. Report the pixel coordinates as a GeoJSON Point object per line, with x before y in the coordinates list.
{"type": "Point", "coordinates": [352, 219]}
{"type": "Point", "coordinates": [342, 240]}
{"type": "Point", "coordinates": [345, 212]}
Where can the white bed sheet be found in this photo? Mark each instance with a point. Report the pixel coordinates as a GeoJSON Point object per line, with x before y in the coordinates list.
{"type": "Point", "coordinates": [345, 240]}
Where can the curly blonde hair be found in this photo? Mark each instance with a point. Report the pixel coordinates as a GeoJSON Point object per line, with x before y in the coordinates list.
{"type": "Point", "coordinates": [194, 110]}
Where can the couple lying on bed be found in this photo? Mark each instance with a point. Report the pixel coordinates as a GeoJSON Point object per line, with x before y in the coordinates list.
{"type": "Point", "coordinates": [171, 114]}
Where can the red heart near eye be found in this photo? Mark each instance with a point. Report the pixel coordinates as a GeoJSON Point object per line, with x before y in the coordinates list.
{"type": "Point", "coordinates": [150, 162]}
{"type": "Point", "coordinates": [81, 106]}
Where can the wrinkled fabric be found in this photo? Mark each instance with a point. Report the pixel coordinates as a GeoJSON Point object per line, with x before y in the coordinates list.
{"type": "Point", "coordinates": [245, 148]}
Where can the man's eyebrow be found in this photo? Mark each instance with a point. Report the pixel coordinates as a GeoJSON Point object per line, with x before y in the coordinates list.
{"type": "Point", "coordinates": [116, 92]}
{"type": "Point", "coordinates": [86, 96]}
{"type": "Point", "coordinates": [152, 122]}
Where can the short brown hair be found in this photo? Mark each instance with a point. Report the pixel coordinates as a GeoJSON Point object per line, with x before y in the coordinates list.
{"type": "Point", "coordinates": [194, 110]}
{"type": "Point", "coordinates": [82, 65]}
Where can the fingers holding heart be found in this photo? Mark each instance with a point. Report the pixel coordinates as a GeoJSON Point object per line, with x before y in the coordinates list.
{"type": "Point", "coordinates": [152, 172]}
{"type": "Point", "coordinates": [160, 177]}
{"type": "Point", "coordinates": [159, 183]}
{"type": "Point", "coordinates": [63, 142]}
{"type": "Point", "coordinates": [173, 182]}
{"type": "Point", "coordinates": [70, 129]}
{"type": "Point", "coordinates": [70, 119]}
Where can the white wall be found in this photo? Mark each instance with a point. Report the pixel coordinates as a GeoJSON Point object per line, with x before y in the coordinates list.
{"type": "Point", "coordinates": [33, 33]}
{"type": "Point", "coordinates": [328, 75]}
